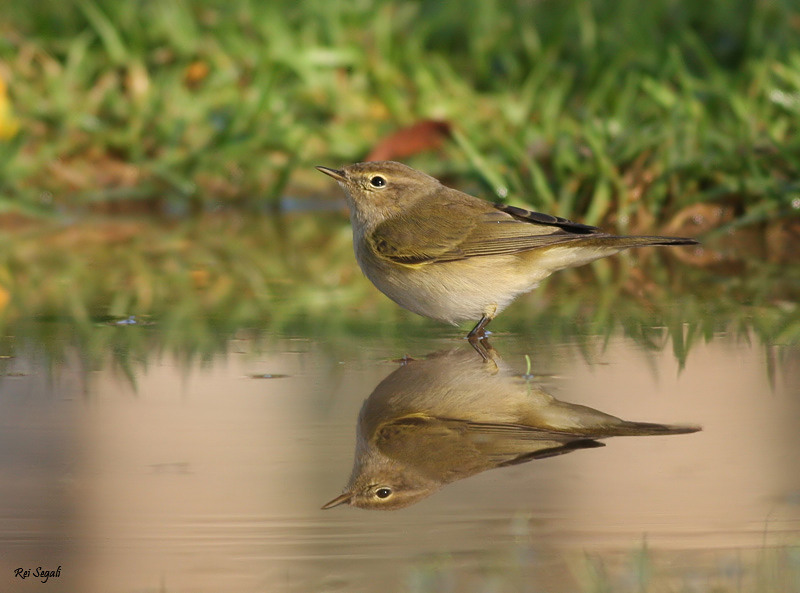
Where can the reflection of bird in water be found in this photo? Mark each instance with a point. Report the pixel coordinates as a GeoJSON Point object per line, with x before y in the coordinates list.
{"type": "Point", "coordinates": [451, 416]}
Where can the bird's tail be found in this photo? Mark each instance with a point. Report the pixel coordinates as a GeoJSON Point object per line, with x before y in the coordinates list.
{"type": "Point", "coordinates": [650, 429]}
{"type": "Point", "coordinates": [636, 241]}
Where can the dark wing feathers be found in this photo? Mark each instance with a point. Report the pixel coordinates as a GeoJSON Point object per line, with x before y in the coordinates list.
{"type": "Point", "coordinates": [547, 219]}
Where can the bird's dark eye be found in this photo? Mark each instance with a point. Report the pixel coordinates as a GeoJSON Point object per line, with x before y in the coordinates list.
{"type": "Point", "coordinates": [377, 181]}
{"type": "Point", "coordinates": [383, 492]}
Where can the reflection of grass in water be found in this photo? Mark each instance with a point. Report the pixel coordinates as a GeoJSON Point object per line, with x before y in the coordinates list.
{"type": "Point", "coordinates": [773, 569]}
{"type": "Point", "coordinates": [770, 569]}
{"type": "Point", "coordinates": [201, 281]}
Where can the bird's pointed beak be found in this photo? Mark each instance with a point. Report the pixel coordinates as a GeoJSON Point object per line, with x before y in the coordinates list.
{"type": "Point", "coordinates": [337, 174]}
{"type": "Point", "coordinates": [341, 499]}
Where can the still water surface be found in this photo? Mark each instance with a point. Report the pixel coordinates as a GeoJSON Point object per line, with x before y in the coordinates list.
{"type": "Point", "coordinates": [211, 477]}
{"type": "Point", "coordinates": [172, 473]}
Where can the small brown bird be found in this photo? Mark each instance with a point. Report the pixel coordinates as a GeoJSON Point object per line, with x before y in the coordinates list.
{"type": "Point", "coordinates": [447, 255]}
{"type": "Point", "coordinates": [450, 416]}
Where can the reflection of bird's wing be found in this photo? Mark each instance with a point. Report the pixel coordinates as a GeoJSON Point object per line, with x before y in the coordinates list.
{"type": "Point", "coordinates": [510, 444]}
{"type": "Point", "coordinates": [473, 228]}
{"type": "Point", "coordinates": [553, 451]}
{"type": "Point", "coordinates": [447, 450]}
{"type": "Point", "coordinates": [431, 447]}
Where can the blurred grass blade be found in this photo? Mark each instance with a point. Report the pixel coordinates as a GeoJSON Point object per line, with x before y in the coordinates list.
{"type": "Point", "coordinates": [105, 29]}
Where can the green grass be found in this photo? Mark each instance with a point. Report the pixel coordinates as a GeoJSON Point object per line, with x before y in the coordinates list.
{"type": "Point", "coordinates": [608, 111]}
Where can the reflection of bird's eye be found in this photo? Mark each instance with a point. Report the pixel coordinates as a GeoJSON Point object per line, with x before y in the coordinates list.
{"type": "Point", "coordinates": [377, 181]}
{"type": "Point", "coordinates": [383, 492]}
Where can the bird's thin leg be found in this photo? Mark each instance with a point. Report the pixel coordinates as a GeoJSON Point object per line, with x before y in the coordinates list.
{"type": "Point", "coordinates": [479, 331]}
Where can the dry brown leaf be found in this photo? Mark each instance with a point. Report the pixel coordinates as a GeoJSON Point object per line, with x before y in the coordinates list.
{"type": "Point", "coordinates": [424, 135]}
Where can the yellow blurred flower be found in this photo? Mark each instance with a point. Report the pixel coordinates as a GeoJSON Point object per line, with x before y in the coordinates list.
{"type": "Point", "coordinates": [8, 123]}
{"type": "Point", "coordinates": [5, 296]}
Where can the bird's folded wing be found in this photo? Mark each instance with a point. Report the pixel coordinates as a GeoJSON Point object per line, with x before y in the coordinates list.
{"type": "Point", "coordinates": [469, 229]}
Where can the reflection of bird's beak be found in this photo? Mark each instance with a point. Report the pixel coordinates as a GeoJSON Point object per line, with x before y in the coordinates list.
{"type": "Point", "coordinates": [335, 173]}
{"type": "Point", "coordinates": [341, 499]}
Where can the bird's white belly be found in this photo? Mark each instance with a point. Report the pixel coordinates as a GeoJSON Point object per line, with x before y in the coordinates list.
{"type": "Point", "coordinates": [451, 291]}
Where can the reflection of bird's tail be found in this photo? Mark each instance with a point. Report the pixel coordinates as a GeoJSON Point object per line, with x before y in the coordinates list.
{"type": "Point", "coordinates": [650, 428]}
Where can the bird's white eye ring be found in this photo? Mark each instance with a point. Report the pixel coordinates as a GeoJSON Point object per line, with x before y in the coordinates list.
{"type": "Point", "coordinates": [377, 181]}
{"type": "Point", "coordinates": [383, 492]}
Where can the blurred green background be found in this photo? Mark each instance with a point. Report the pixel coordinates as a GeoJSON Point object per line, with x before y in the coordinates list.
{"type": "Point", "coordinates": [603, 110]}
{"type": "Point", "coordinates": [156, 157]}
